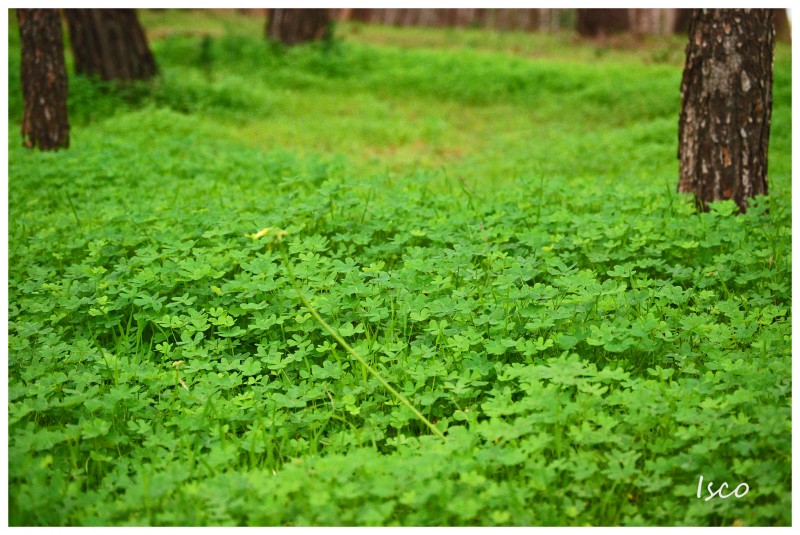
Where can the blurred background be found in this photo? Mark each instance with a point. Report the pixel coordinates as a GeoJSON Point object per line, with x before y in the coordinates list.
{"type": "Point", "coordinates": [586, 22]}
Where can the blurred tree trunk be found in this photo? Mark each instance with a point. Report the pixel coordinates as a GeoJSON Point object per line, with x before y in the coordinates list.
{"type": "Point", "coordinates": [44, 79]}
{"type": "Point", "coordinates": [602, 22]}
{"type": "Point", "coordinates": [295, 26]}
{"type": "Point", "coordinates": [465, 16]}
{"type": "Point", "coordinates": [362, 14]}
{"type": "Point", "coordinates": [682, 20]}
{"type": "Point", "coordinates": [651, 21]}
{"type": "Point", "coordinates": [393, 17]}
{"type": "Point", "coordinates": [109, 43]}
{"type": "Point", "coordinates": [726, 104]}
{"type": "Point", "coordinates": [410, 17]}
{"type": "Point", "coordinates": [782, 30]}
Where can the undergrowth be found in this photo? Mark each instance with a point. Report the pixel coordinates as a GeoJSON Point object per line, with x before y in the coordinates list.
{"type": "Point", "coordinates": [498, 237]}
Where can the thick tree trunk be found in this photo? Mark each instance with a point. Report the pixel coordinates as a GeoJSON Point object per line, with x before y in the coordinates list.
{"type": "Point", "coordinates": [110, 43]}
{"type": "Point", "coordinates": [602, 22]}
{"type": "Point", "coordinates": [726, 104]}
{"type": "Point", "coordinates": [44, 79]}
{"type": "Point", "coordinates": [295, 26]}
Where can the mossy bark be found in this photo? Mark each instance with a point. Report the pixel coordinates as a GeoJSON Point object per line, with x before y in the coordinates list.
{"type": "Point", "coordinates": [726, 104]}
{"type": "Point", "coordinates": [45, 123]}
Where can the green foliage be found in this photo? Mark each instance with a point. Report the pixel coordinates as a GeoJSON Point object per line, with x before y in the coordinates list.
{"type": "Point", "coordinates": [588, 346]}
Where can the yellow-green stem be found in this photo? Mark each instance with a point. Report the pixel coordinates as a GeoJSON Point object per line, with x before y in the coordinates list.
{"type": "Point", "coordinates": [352, 351]}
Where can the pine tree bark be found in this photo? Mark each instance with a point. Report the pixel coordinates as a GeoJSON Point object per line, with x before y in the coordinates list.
{"type": "Point", "coordinates": [110, 44]}
{"type": "Point", "coordinates": [44, 79]}
{"type": "Point", "coordinates": [295, 26]}
{"type": "Point", "coordinates": [726, 105]}
{"type": "Point", "coordinates": [602, 22]}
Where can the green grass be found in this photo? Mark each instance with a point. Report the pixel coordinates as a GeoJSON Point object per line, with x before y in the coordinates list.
{"type": "Point", "coordinates": [489, 221]}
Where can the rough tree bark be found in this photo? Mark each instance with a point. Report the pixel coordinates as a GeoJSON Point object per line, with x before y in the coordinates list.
{"type": "Point", "coordinates": [726, 105]}
{"type": "Point", "coordinates": [44, 79]}
{"type": "Point", "coordinates": [109, 43]}
{"type": "Point", "coordinates": [602, 22]}
{"type": "Point", "coordinates": [295, 26]}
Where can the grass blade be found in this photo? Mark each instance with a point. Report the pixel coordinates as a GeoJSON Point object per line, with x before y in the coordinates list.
{"type": "Point", "coordinates": [352, 351]}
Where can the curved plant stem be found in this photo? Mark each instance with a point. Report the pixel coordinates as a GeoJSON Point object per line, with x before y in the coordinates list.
{"type": "Point", "coordinates": [352, 351]}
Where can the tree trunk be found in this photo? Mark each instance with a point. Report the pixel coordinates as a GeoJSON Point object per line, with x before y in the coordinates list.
{"type": "Point", "coordinates": [648, 21]}
{"type": "Point", "coordinates": [683, 18]}
{"type": "Point", "coordinates": [362, 14]}
{"type": "Point", "coordinates": [44, 79]}
{"type": "Point", "coordinates": [783, 32]}
{"type": "Point", "coordinates": [295, 26]}
{"type": "Point", "coordinates": [602, 22]}
{"type": "Point", "coordinates": [109, 43]}
{"type": "Point", "coordinates": [726, 104]}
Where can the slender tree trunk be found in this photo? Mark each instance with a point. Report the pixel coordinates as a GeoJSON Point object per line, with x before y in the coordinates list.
{"type": "Point", "coordinates": [44, 79]}
{"type": "Point", "coordinates": [109, 43]}
{"type": "Point", "coordinates": [602, 22]}
{"type": "Point", "coordinates": [726, 104]}
{"type": "Point", "coordinates": [646, 21]}
{"type": "Point", "coordinates": [782, 30]}
{"type": "Point", "coordinates": [295, 26]}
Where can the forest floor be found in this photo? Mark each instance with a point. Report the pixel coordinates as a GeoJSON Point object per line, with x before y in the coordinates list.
{"type": "Point", "coordinates": [489, 220]}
